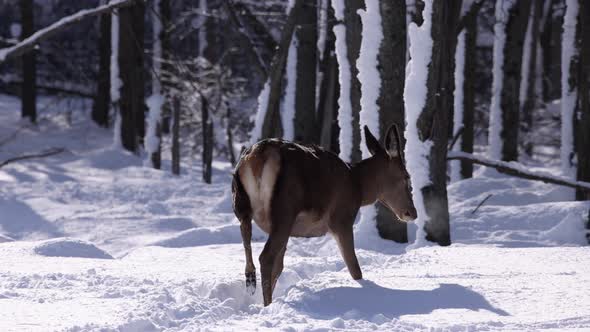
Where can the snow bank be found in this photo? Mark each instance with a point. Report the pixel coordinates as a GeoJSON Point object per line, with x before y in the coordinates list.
{"type": "Point", "coordinates": [570, 230]}
{"type": "Point", "coordinates": [66, 247]}
{"type": "Point", "coordinates": [415, 91]}
{"type": "Point", "coordinates": [5, 238]}
{"type": "Point", "coordinates": [209, 235]}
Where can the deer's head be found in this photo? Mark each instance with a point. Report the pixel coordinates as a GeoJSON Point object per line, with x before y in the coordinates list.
{"type": "Point", "coordinates": [392, 176]}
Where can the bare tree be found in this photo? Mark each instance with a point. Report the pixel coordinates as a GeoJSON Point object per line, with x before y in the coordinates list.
{"type": "Point", "coordinates": [433, 123]}
{"type": "Point", "coordinates": [583, 105]}
{"type": "Point", "coordinates": [100, 106]}
{"type": "Point", "coordinates": [132, 105]}
{"type": "Point", "coordinates": [305, 129]}
{"type": "Point", "coordinates": [529, 100]}
{"type": "Point", "coordinates": [392, 69]}
{"type": "Point", "coordinates": [28, 63]}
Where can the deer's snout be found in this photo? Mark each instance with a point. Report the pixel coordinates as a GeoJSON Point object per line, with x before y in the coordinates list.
{"type": "Point", "coordinates": [410, 214]}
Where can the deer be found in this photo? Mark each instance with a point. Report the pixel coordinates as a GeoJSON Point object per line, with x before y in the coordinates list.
{"type": "Point", "coordinates": [297, 190]}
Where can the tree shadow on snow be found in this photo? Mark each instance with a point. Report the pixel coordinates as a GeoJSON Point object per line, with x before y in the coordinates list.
{"type": "Point", "coordinates": [18, 220]}
{"type": "Point", "coordinates": [372, 299]}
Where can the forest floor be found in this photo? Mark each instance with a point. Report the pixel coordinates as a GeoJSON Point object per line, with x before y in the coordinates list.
{"type": "Point", "coordinates": [94, 241]}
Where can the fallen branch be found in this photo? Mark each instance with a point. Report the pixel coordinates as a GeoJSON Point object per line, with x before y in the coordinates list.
{"type": "Point", "coordinates": [518, 170]}
{"type": "Point", "coordinates": [481, 203]}
{"type": "Point", "coordinates": [46, 153]}
{"type": "Point", "coordinates": [29, 43]}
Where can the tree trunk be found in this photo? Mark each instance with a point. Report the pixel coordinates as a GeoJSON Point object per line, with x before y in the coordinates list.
{"type": "Point", "coordinates": [166, 17]}
{"type": "Point", "coordinates": [509, 96]}
{"type": "Point", "coordinates": [271, 126]}
{"type": "Point", "coordinates": [29, 69]}
{"type": "Point", "coordinates": [230, 136]}
{"type": "Point", "coordinates": [327, 103]}
{"type": "Point", "coordinates": [433, 122]}
{"type": "Point", "coordinates": [468, 92]}
{"type": "Point", "coordinates": [551, 48]}
{"type": "Point", "coordinates": [530, 101]}
{"type": "Point", "coordinates": [132, 106]}
{"type": "Point", "coordinates": [392, 69]}
{"type": "Point", "coordinates": [207, 131]}
{"type": "Point", "coordinates": [353, 42]}
{"type": "Point", "coordinates": [583, 104]}
{"type": "Point", "coordinates": [305, 126]}
{"type": "Point", "coordinates": [176, 137]}
{"type": "Point", "coordinates": [102, 100]}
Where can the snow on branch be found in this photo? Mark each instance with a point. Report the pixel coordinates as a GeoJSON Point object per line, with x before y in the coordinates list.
{"type": "Point", "coordinates": [518, 170]}
{"type": "Point", "coordinates": [29, 43]}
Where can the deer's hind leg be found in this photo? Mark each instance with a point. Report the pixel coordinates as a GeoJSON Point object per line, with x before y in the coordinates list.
{"type": "Point", "coordinates": [283, 210]}
{"type": "Point", "coordinates": [243, 211]}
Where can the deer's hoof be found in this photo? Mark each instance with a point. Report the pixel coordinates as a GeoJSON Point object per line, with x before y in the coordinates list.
{"type": "Point", "coordinates": [251, 282]}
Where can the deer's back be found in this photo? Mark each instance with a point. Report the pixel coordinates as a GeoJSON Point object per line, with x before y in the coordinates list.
{"type": "Point", "coordinates": [311, 181]}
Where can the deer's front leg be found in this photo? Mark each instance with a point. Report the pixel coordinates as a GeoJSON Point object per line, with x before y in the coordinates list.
{"type": "Point", "coordinates": [345, 239]}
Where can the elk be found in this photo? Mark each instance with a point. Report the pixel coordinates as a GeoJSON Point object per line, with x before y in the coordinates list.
{"type": "Point", "coordinates": [290, 189]}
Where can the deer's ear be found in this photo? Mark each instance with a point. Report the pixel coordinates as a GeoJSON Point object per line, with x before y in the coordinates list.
{"type": "Point", "coordinates": [393, 141]}
{"type": "Point", "coordinates": [372, 143]}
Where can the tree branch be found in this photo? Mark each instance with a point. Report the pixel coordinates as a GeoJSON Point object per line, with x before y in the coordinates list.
{"type": "Point", "coordinates": [42, 154]}
{"type": "Point", "coordinates": [29, 43]}
{"type": "Point", "coordinates": [518, 170]}
{"type": "Point", "coordinates": [470, 14]}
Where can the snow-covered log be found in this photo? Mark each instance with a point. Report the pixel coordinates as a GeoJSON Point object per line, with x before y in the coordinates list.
{"type": "Point", "coordinates": [30, 42]}
{"type": "Point", "coordinates": [518, 170]}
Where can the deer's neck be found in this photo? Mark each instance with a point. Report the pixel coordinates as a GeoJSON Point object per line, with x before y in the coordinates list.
{"type": "Point", "coordinates": [366, 174]}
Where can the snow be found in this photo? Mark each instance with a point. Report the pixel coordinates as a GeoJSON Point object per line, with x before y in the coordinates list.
{"type": "Point", "coordinates": [344, 78]}
{"type": "Point", "coordinates": [370, 80]}
{"type": "Point", "coordinates": [256, 132]}
{"type": "Point", "coordinates": [495, 141]}
{"type": "Point", "coordinates": [288, 101]}
{"type": "Point", "coordinates": [518, 263]}
{"type": "Point", "coordinates": [458, 102]}
{"type": "Point", "coordinates": [416, 150]}
{"type": "Point", "coordinates": [64, 247]}
{"type": "Point", "coordinates": [568, 95]}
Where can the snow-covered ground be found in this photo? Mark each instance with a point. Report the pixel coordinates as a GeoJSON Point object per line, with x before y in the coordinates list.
{"type": "Point", "coordinates": [90, 240]}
